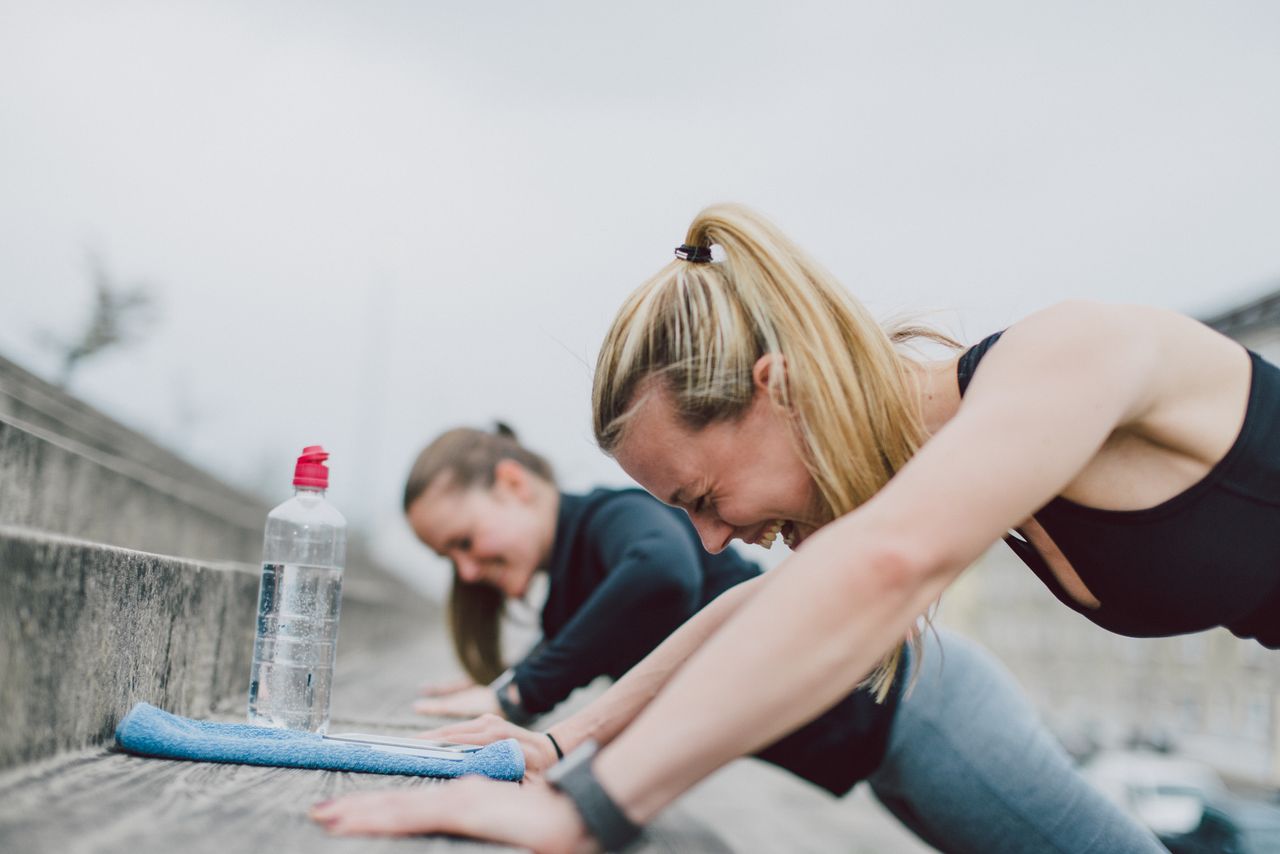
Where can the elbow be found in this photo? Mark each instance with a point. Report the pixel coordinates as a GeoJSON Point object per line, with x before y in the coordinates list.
{"type": "Point", "coordinates": [666, 578]}
{"type": "Point", "coordinates": [905, 571]}
{"type": "Point", "coordinates": [886, 562]}
{"type": "Point", "coordinates": [674, 601]}
{"type": "Point", "coordinates": [666, 596]}
{"type": "Point", "coordinates": [894, 568]}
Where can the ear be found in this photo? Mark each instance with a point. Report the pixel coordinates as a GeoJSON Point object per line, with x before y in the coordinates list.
{"type": "Point", "coordinates": [511, 478]}
{"type": "Point", "coordinates": [769, 367]}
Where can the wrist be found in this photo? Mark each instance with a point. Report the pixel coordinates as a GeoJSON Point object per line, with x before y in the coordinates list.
{"type": "Point", "coordinates": [507, 693]}
{"type": "Point", "coordinates": [601, 816]}
{"type": "Point", "coordinates": [644, 787]}
{"type": "Point", "coordinates": [586, 724]}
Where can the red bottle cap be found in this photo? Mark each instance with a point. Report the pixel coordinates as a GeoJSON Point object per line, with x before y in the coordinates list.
{"type": "Point", "coordinates": [311, 470]}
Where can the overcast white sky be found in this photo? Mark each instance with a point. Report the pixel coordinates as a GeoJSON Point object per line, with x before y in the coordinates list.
{"type": "Point", "coordinates": [367, 222]}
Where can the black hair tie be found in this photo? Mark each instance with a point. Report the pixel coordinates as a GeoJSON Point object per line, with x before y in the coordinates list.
{"type": "Point", "coordinates": [694, 254]}
{"type": "Point", "coordinates": [556, 745]}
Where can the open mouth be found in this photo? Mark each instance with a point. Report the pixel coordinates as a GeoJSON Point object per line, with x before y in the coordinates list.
{"type": "Point", "coordinates": [774, 529]}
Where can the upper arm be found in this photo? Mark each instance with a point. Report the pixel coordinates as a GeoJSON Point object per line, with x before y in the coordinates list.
{"type": "Point", "coordinates": [643, 545]}
{"type": "Point", "coordinates": [1045, 399]}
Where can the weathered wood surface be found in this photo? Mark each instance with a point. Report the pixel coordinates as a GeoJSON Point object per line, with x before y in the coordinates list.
{"type": "Point", "coordinates": [104, 800]}
{"type": "Point", "coordinates": [98, 800]}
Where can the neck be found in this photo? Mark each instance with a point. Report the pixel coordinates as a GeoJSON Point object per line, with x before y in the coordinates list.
{"type": "Point", "coordinates": [547, 506]}
{"type": "Point", "coordinates": [938, 392]}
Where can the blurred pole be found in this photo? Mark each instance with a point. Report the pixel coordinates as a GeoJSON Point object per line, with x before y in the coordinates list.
{"type": "Point", "coordinates": [379, 306]}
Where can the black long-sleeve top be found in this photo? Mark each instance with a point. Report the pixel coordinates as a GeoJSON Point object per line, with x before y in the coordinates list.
{"type": "Point", "coordinates": [625, 571]}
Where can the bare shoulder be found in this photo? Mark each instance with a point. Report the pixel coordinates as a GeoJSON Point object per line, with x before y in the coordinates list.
{"type": "Point", "coordinates": [1116, 328]}
{"type": "Point", "coordinates": [1040, 410]}
{"type": "Point", "coordinates": [1157, 354]}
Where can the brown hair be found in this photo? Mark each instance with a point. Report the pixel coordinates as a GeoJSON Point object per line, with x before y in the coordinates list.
{"type": "Point", "coordinates": [699, 328]}
{"type": "Point", "coordinates": [465, 458]}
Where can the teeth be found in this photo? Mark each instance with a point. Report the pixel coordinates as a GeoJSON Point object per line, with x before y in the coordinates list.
{"type": "Point", "coordinates": [789, 536]}
{"type": "Point", "coordinates": [770, 534]}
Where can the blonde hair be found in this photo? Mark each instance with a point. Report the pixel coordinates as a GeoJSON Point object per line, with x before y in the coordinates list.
{"type": "Point", "coordinates": [468, 458]}
{"type": "Point", "coordinates": [699, 328]}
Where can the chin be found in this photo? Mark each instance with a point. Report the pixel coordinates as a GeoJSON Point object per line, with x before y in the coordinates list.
{"type": "Point", "coordinates": [518, 591]}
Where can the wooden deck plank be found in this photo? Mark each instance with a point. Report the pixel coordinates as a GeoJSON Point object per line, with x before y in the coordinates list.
{"type": "Point", "coordinates": [104, 801]}
{"type": "Point", "coordinates": [107, 801]}
{"type": "Point", "coordinates": [98, 800]}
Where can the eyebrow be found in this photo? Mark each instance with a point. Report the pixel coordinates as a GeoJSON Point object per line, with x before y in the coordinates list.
{"type": "Point", "coordinates": [446, 547]}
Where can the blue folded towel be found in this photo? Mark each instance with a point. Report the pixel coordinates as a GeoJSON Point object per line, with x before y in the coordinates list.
{"type": "Point", "coordinates": [149, 731]}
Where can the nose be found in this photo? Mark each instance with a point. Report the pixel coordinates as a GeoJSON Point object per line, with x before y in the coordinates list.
{"type": "Point", "coordinates": [468, 568]}
{"type": "Point", "coordinates": [714, 533]}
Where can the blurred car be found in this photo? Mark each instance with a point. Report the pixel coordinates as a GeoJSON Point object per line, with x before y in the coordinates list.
{"type": "Point", "coordinates": [1235, 826]}
{"type": "Point", "coordinates": [1185, 803]}
{"type": "Point", "coordinates": [1166, 793]}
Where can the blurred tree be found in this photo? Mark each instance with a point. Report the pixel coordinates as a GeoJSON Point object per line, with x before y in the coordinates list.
{"type": "Point", "coordinates": [121, 314]}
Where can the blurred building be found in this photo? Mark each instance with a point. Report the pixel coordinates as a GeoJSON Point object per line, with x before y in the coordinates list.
{"type": "Point", "coordinates": [1209, 695]}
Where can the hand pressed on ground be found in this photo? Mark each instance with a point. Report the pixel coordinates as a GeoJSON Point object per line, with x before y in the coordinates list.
{"type": "Point", "coordinates": [445, 687]}
{"type": "Point", "coordinates": [539, 755]}
{"type": "Point", "coordinates": [469, 702]}
{"type": "Point", "coordinates": [535, 817]}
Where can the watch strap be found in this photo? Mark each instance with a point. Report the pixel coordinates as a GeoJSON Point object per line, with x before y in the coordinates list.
{"type": "Point", "coordinates": [604, 819]}
{"type": "Point", "coordinates": [511, 710]}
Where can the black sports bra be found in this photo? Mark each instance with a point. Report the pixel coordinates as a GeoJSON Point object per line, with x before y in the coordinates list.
{"type": "Point", "coordinates": [1209, 556]}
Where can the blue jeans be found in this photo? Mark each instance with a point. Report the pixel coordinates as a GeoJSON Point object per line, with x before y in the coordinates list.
{"type": "Point", "coordinates": [970, 768]}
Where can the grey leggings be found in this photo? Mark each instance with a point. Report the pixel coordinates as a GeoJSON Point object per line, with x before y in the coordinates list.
{"type": "Point", "coordinates": [969, 767]}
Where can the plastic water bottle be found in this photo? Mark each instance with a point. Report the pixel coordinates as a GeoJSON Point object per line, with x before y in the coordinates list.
{"type": "Point", "coordinates": [303, 553]}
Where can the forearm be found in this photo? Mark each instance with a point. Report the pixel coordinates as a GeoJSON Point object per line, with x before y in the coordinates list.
{"type": "Point", "coordinates": [626, 698]}
{"type": "Point", "coordinates": [782, 659]}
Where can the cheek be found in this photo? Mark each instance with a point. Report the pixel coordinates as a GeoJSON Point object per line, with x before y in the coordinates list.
{"type": "Point", "coordinates": [792, 485]}
{"type": "Point", "coordinates": [504, 535]}
{"type": "Point", "coordinates": [489, 540]}
{"type": "Point", "coordinates": [802, 488]}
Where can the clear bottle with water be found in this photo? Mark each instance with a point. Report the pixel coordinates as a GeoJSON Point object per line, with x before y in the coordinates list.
{"type": "Point", "coordinates": [303, 553]}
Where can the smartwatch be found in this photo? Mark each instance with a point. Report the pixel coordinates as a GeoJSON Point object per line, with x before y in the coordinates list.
{"type": "Point", "coordinates": [511, 708]}
{"type": "Point", "coordinates": [604, 819]}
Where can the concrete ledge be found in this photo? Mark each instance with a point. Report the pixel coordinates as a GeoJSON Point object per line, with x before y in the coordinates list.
{"type": "Point", "coordinates": [26, 398]}
{"type": "Point", "coordinates": [69, 469]}
{"type": "Point", "coordinates": [54, 484]}
{"type": "Point", "coordinates": [88, 630]}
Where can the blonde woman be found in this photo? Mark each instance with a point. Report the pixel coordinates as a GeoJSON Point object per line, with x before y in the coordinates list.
{"type": "Point", "coordinates": [1129, 454]}
{"type": "Point", "coordinates": [624, 571]}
